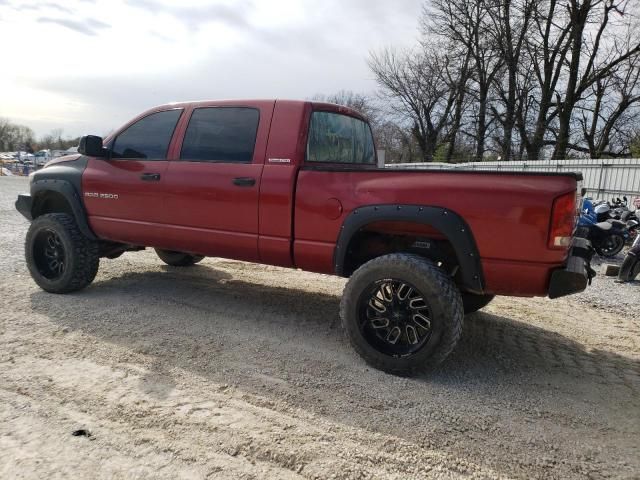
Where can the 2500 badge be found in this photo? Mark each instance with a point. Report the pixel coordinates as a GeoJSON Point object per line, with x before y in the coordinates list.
{"type": "Point", "coordinates": [107, 196]}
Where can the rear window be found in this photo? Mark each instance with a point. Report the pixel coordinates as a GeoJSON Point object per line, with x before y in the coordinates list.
{"type": "Point", "coordinates": [221, 134]}
{"type": "Point", "coordinates": [336, 138]}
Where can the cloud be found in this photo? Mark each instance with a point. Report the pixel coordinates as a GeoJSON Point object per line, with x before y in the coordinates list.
{"type": "Point", "coordinates": [42, 6]}
{"type": "Point", "coordinates": [195, 16]}
{"type": "Point", "coordinates": [87, 27]}
{"type": "Point", "coordinates": [312, 38]}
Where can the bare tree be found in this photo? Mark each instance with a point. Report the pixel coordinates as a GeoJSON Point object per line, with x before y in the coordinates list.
{"type": "Point", "coordinates": [47, 141]}
{"type": "Point", "coordinates": [634, 144]}
{"type": "Point", "coordinates": [418, 87]}
{"type": "Point", "coordinates": [609, 115]}
{"type": "Point", "coordinates": [546, 50]}
{"type": "Point", "coordinates": [5, 127]}
{"type": "Point", "coordinates": [357, 101]}
{"type": "Point", "coordinates": [510, 24]}
{"type": "Point", "coordinates": [518, 78]}
{"type": "Point", "coordinates": [466, 24]}
{"type": "Point", "coordinates": [15, 137]}
{"type": "Point", "coordinates": [397, 142]}
{"type": "Point", "coordinates": [601, 39]}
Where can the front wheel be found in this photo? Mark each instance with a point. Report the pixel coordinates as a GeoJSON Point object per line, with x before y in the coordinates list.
{"type": "Point", "coordinates": [59, 257]}
{"type": "Point", "coordinates": [402, 313]}
{"type": "Point", "coordinates": [178, 259]}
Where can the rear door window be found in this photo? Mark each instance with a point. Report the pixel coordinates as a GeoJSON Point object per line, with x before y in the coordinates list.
{"type": "Point", "coordinates": [221, 134]}
{"type": "Point", "coordinates": [336, 138]}
{"type": "Point", "coordinates": [148, 138]}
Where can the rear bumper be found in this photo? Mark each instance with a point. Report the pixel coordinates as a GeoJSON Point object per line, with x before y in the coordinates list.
{"type": "Point", "coordinates": [23, 205]}
{"type": "Point", "coordinates": [577, 272]}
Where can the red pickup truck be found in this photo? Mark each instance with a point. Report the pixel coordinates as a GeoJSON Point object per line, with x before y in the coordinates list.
{"type": "Point", "coordinates": [296, 184]}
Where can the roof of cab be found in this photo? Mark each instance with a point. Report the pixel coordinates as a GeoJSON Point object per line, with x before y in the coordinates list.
{"type": "Point", "coordinates": [321, 106]}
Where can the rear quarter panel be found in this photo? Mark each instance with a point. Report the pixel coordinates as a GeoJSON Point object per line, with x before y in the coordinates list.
{"type": "Point", "coordinates": [509, 215]}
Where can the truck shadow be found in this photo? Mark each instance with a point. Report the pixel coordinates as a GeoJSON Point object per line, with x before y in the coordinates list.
{"type": "Point", "coordinates": [502, 346]}
{"type": "Point", "coordinates": [210, 307]}
{"type": "Point", "coordinates": [204, 320]}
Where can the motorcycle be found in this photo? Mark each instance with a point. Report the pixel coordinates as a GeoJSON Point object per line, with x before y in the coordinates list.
{"type": "Point", "coordinates": [630, 268]}
{"type": "Point", "coordinates": [607, 237]}
{"type": "Point", "coordinates": [620, 210]}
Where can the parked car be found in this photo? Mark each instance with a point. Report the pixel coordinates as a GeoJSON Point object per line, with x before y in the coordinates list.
{"type": "Point", "coordinates": [42, 157]}
{"type": "Point", "coordinates": [295, 184]}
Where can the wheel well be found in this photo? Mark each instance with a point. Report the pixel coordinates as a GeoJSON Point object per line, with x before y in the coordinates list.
{"type": "Point", "coordinates": [433, 232]}
{"type": "Point", "coordinates": [50, 202]}
{"type": "Point", "coordinates": [376, 240]}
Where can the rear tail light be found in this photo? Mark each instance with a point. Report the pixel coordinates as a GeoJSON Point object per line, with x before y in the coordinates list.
{"type": "Point", "coordinates": [563, 221]}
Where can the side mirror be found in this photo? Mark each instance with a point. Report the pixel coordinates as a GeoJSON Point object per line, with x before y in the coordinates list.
{"type": "Point", "coordinates": [91, 145]}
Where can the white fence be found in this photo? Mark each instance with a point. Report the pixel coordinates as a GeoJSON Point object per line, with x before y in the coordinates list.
{"type": "Point", "coordinates": [602, 178]}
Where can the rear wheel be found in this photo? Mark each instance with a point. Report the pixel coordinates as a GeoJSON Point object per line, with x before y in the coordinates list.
{"type": "Point", "coordinates": [630, 269]}
{"type": "Point", "coordinates": [59, 257]}
{"type": "Point", "coordinates": [178, 259]}
{"type": "Point", "coordinates": [402, 313]}
{"type": "Point", "coordinates": [611, 246]}
{"type": "Point", "coordinates": [472, 303]}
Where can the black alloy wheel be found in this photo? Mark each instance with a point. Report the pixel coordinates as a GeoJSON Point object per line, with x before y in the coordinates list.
{"type": "Point", "coordinates": [395, 317]}
{"type": "Point", "coordinates": [49, 254]}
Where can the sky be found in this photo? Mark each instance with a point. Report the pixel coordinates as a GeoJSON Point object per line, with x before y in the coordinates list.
{"type": "Point", "coordinates": [88, 66]}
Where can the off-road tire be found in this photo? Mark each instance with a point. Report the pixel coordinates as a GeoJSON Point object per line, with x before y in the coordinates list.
{"type": "Point", "coordinates": [472, 303]}
{"type": "Point", "coordinates": [178, 259]}
{"type": "Point", "coordinates": [82, 257]}
{"type": "Point", "coordinates": [438, 290]}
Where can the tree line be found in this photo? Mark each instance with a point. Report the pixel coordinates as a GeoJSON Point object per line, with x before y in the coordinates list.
{"type": "Point", "coordinates": [15, 137]}
{"type": "Point", "coordinates": [510, 80]}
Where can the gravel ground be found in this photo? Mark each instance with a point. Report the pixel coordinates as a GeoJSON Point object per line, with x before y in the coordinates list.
{"type": "Point", "coordinates": [236, 370]}
{"type": "Point", "coordinates": [608, 295]}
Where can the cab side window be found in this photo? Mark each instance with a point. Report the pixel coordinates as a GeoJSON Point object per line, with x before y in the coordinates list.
{"type": "Point", "coordinates": [148, 138]}
{"type": "Point", "coordinates": [221, 134]}
{"type": "Point", "coordinates": [337, 138]}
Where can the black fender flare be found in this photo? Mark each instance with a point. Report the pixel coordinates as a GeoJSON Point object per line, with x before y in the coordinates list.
{"type": "Point", "coordinates": [71, 195]}
{"type": "Point", "coordinates": [448, 222]}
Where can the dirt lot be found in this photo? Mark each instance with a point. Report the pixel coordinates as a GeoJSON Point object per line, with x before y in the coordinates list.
{"type": "Point", "coordinates": [235, 370]}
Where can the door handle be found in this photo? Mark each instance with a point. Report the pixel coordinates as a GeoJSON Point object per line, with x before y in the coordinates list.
{"type": "Point", "coordinates": [244, 181]}
{"type": "Point", "coordinates": [150, 177]}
